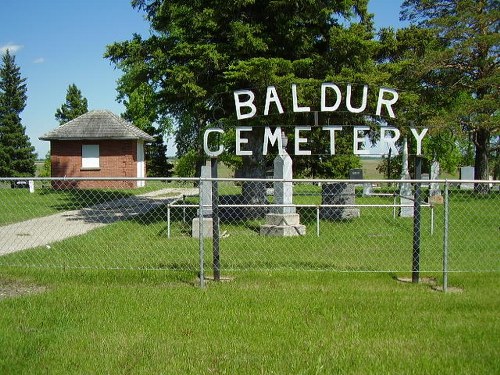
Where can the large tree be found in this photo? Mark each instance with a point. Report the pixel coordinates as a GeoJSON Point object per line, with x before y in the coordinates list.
{"type": "Point", "coordinates": [141, 110]}
{"type": "Point", "coordinates": [200, 52]}
{"type": "Point", "coordinates": [400, 54]}
{"type": "Point", "coordinates": [17, 156]}
{"type": "Point", "coordinates": [76, 105]}
{"type": "Point", "coordinates": [466, 68]}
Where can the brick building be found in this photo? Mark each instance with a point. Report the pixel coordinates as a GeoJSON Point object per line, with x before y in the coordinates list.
{"type": "Point", "coordinates": [98, 144]}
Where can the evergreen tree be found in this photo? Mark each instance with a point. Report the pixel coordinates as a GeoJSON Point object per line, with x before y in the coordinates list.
{"type": "Point", "coordinates": [466, 68]}
{"type": "Point", "coordinates": [17, 156]}
{"type": "Point", "coordinates": [201, 52]}
{"type": "Point", "coordinates": [141, 111]}
{"type": "Point", "coordinates": [75, 105]}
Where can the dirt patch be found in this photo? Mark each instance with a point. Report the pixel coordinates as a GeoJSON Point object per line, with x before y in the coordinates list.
{"type": "Point", "coordinates": [422, 280]}
{"type": "Point", "coordinates": [432, 282]}
{"type": "Point", "coordinates": [450, 289]}
{"type": "Point", "coordinates": [11, 289]}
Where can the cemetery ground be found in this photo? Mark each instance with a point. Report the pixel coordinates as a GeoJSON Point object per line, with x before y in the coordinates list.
{"type": "Point", "coordinates": [64, 320]}
{"type": "Point", "coordinates": [281, 322]}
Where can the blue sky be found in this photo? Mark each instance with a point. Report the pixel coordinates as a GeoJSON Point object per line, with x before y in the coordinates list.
{"type": "Point", "coordinates": [60, 42]}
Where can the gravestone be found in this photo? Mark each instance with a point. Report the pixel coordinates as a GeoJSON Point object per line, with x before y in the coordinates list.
{"type": "Point", "coordinates": [205, 189]}
{"type": "Point", "coordinates": [425, 176]}
{"type": "Point", "coordinates": [356, 174]}
{"type": "Point", "coordinates": [367, 189]}
{"type": "Point", "coordinates": [434, 189]}
{"type": "Point", "coordinates": [283, 190]}
{"type": "Point", "coordinates": [467, 173]}
{"type": "Point", "coordinates": [405, 189]}
{"type": "Point", "coordinates": [283, 221]}
{"type": "Point", "coordinates": [338, 193]}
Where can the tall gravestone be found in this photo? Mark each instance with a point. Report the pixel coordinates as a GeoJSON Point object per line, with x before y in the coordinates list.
{"type": "Point", "coordinates": [406, 197]}
{"type": "Point", "coordinates": [467, 173]}
{"type": "Point", "coordinates": [283, 221]}
{"type": "Point", "coordinates": [434, 189]}
{"type": "Point", "coordinates": [206, 203]}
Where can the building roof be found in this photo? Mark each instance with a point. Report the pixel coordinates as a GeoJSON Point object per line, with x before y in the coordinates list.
{"type": "Point", "coordinates": [95, 125]}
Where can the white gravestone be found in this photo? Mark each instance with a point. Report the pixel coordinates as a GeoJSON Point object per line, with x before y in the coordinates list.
{"type": "Point", "coordinates": [283, 221]}
{"type": "Point", "coordinates": [434, 189]}
{"type": "Point", "coordinates": [283, 190]}
{"type": "Point", "coordinates": [405, 190]}
{"type": "Point", "coordinates": [206, 202]}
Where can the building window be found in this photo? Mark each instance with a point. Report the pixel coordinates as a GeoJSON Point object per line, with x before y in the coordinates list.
{"type": "Point", "coordinates": [90, 156]}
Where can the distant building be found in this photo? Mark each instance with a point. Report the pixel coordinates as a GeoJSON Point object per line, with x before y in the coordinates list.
{"type": "Point", "coordinates": [98, 144]}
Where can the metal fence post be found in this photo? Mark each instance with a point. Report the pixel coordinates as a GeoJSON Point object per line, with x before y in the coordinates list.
{"type": "Point", "coordinates": [317, 221]}
{"type": "Point", "coordinates": [200, 238]}
{"type": "Point", "coordinates": [215, 218]}
{"type": "Point", "coordinates": [445, 238]}
{"type": "Point", "coordinates": [168, 220]}
{"type": "Point", "coordinates": [415, 276]}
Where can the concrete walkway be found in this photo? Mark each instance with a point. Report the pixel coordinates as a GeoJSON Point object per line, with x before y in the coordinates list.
{"type": "Point", "coordinates": [45, 230]}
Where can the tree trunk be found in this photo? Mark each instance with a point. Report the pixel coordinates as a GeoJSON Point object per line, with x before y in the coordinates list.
{"type": "Point", "coordinates": [254, 192]}
{"type": "Point", "coordinates": [481, 141]}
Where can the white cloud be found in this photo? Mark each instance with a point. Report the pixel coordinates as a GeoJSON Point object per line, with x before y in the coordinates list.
{"type": "Point", "coordinates": [11, 47]}
{"type": "Point", "coordinates": [40, 60]}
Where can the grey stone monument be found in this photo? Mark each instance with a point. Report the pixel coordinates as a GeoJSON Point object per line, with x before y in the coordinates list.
{"type": "Point", "coordinates": [283, 221]}
{"type": "Point", "coordinates": [467, 173]}
{"type": "Point", "coordinates": [434, 189]}
{"type": "Point", "coordinates": [405, 189]}
{"type": "Point", "coordinates": [206, 202]}
{"type": "Point", "coordinates": [338, 193]}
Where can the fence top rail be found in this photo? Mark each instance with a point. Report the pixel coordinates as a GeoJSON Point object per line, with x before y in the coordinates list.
{"type": "Point", "coordinates": [226, 179]}
{"type": "Point", "coordinates": [297, 205]}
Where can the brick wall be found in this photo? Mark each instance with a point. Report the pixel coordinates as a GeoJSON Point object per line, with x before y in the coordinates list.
{"type": "Point", "coordinates": [116, 159]}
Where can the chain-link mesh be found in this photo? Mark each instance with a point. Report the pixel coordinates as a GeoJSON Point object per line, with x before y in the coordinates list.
{"type": "Point", "coordinates": [262, 224]}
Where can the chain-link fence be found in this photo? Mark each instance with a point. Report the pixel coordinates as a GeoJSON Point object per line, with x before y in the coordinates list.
{"type": "Point", "coordinates": [237, 224]}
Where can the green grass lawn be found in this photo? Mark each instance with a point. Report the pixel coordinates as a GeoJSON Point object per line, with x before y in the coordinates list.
{"type": "Point", "coordinates": [18, 204]}
{"type": "Point", "coordinates": [376, 241]}
{"type": "Point", "coordinates": [273, 318]}
{"type": "Point", "coordinates": [158, 322]}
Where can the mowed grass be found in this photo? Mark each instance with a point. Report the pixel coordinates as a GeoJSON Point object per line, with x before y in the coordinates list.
{"type": "Point", "coordinates": [264, 320]}
{"type": "Point", "coordinates": [133, 322]}
{"type": "Point", "coordinates": [19, 204]}
{"type": "Point", "coordinates": [376, 241]}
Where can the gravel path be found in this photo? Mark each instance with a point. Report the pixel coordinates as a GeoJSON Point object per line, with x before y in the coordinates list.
{"type": "Point", "coordinates": [48, 229]}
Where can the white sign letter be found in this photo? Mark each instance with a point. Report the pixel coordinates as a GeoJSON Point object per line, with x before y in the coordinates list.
{"type": "Point", "coordinates": [387, 102]}
{"type": "Point", "coordinates": [248, 103]}
{"type": "Point", "coordinates": [390, 141]}
{"type": "Point", "coordinates": [363, 102]}
{"type": "Point", "coordinates": [331, 129]}
{"type": "Point", "coordinates": [240, 140]}
{"type": "Point", "coordinates": [296, 107]}
{"type": "Point", "coordinates": [335, 88]}
{"type": "Point", "coordinates": [270, 137]}
{"type": "Point", "coordinates": [357, 140]}
{"type": "Point", "coordinates": [418, 138]}
{"type": "Point", "coordinates": [299, 140]}
{"type": "Point", "coordinates": [272, 96]}
{"type": "Point", "coordinates": [212, 154]}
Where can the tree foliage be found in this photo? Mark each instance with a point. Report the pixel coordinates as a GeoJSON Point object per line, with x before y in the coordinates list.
{"type": "Point", "coordinates": [76, 105]}
{"type": "Point", "coordinates": [140, 109]}
{"type": "Point", "coordinates": [17, 156]}
{"type": "Point", "coordinates": [465, 70]}
{"type": "Point", "coordinates": [200, 52]}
